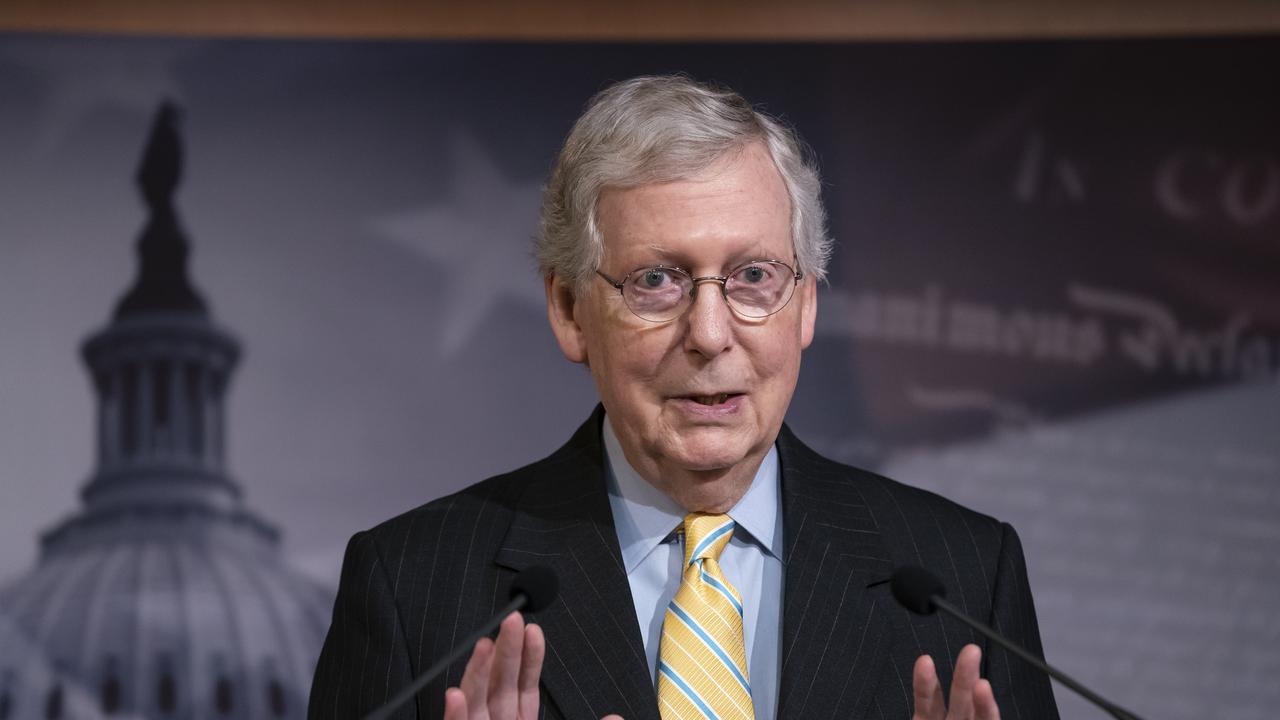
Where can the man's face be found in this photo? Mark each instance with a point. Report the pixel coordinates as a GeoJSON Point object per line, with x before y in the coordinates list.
{"type": "Point", "coordinates": [655, 379]}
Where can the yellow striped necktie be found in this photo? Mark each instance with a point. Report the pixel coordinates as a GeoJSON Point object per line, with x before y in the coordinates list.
{"type": "Point", "coordinates": [702, 664]}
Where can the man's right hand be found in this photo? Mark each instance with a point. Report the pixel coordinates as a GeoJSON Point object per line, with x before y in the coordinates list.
{"type": "Point", "coordinates": [501, 679]}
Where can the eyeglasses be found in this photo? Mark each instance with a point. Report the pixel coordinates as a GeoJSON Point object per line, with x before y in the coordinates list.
{"type": "Point", "coordinates": [661, 293]}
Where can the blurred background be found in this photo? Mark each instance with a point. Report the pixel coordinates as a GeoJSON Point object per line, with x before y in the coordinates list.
{"type": "Point", "coordinates": [235, 332]}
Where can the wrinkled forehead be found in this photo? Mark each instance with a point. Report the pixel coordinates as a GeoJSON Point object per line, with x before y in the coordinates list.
{"type": "Point", "coordinates": [736, 208]}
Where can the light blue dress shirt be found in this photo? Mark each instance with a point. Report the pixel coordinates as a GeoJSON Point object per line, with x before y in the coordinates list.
{"type": "Point", "coordinates": [653, 554]}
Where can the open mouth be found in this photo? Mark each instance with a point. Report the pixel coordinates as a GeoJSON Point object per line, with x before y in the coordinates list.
{"type": "Point", "coordinates": [711, 400]}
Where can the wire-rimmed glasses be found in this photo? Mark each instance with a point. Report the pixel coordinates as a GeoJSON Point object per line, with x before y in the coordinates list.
{"type": "Point", "coordinates": [661, 293]}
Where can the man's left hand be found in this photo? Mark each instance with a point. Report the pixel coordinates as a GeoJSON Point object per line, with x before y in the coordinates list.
{"type": "Point", "coordinates": [971, 697]}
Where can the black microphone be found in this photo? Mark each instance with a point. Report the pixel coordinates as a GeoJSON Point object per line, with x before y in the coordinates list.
{"type": "Point", "coordinates": [921, 592]}
{"type": "Point", "coordinates": [532, 589]}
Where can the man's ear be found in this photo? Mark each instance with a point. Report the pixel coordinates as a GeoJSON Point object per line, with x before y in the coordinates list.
{"type": "Point", "coordinates": [808, 311]}
{"type": "Point", "coordinates": [562, 312]}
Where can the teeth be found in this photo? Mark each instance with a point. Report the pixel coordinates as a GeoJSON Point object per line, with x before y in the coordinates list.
{"type": "Point", "coordinates": [711, 399]}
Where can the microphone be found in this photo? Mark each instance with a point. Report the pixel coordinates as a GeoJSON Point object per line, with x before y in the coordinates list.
{"type": "Point", "coordinates": [538, 585]}
{"type": "Point", "coordinates": [921, 592]}
{"type": "Point", "coordinates": [533, 589]}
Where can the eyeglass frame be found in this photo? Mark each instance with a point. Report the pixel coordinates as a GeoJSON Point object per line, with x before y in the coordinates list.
{"type": "Point", "coordinates": [722, 280]}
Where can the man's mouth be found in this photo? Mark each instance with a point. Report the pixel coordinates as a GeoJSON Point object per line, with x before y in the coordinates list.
{"type": "Point", "coordinates": [710, 400]}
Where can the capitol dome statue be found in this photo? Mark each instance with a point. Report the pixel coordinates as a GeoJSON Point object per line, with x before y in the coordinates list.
{"type": "Point", "coordinates": [164, 596]}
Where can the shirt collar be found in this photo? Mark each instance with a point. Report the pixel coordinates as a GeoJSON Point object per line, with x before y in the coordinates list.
{"type": "Point", "coordinates": [645, 518]}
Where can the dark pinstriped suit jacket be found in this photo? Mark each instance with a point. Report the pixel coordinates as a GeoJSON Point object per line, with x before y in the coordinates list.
{"type": "Point", "coordinates": [415, 585]}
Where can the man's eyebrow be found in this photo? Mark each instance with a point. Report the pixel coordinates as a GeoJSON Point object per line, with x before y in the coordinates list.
{"type": "Point", "coordinates": [756, 253]}
{"type": "Point", "coordinates": [668, 256]}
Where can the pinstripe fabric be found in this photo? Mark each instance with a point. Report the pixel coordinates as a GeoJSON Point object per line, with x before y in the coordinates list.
{"type": "Point", "coordinates": [702, 662]}
{"type": "Point", "coordinates": [416, 584]}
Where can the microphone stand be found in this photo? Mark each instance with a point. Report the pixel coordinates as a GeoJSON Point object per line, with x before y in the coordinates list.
{"type": "Point", "coordinates": [1112, 709]}
{"type": "Point", "coordinates": [412, 689]}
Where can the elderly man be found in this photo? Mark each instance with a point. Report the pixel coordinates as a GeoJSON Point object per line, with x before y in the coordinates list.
{"type": "Point", "coordinates": [710, 564]}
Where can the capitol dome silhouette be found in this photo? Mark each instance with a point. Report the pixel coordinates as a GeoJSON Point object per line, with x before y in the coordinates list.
{"type": "Point", "coordinates": [164, 596]}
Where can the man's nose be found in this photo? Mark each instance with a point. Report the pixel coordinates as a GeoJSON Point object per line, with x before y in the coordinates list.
{"type": "Point", "coordinates": [710, 319]}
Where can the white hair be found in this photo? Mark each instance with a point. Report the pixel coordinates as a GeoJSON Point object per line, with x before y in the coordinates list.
{"type": "Point", "coordinates": [660, 129]}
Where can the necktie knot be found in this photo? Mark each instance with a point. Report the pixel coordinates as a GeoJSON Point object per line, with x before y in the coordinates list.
{"type": "Point", "coordinates": [705, 536]}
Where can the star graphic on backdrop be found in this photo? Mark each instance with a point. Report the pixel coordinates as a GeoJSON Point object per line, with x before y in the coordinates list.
{"type": "Point", "coordinates": [477, 241]}
{"type": "Point", "coordinates": [83, 76]}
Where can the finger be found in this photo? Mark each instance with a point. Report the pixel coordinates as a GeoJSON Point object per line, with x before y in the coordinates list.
{"type": "Point", "coordinates": [455, 704]}
{"type": "Point", "coordinates": [535, 648]}
{"type": "Point", "coordinates": [927, 691]}
{"type": "Point", "coordinates": [503, 701]}
{"type": "Point", "coordinates": [960, 699]}
{"type": "Point", "coordinates": [611, 717]}
{"type": "Point", "coordinates": [984, 702]}
{"type": "Point", "coordinates": [475, 679]}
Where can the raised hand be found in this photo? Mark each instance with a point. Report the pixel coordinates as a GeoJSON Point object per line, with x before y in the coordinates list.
{"type": "Point", "coordinates": [501, 679]}
{"type": "Point", "coordinates": [971, 697]}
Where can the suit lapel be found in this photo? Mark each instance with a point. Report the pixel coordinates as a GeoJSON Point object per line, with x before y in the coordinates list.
{"type": "Point", "coordinates": [835, 638]}
{"type": "Point", "coordinates": [595, 655]}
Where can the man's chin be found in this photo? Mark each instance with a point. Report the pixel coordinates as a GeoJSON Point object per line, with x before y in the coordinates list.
{"type": "Point", "coordinates": [709, 449]}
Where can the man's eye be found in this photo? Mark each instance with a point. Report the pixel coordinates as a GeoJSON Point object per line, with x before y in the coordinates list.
{"type": "Point", "coordinates": [754, 274]}
{"type": "Point", "coordinates": [654, 278]}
